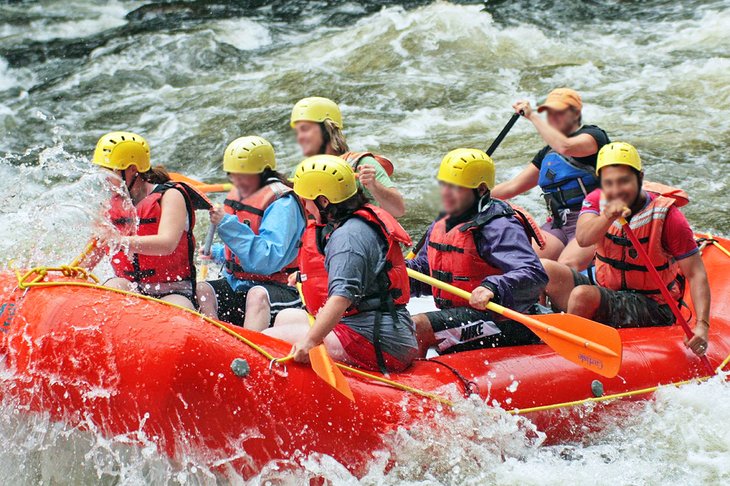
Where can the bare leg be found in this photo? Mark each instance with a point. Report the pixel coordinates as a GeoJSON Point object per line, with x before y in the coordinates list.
{"type": "Point", "coordinates": [584, 301]}
{"type": "Point", "coordinates": [290, 316]}
{"type": "Point", "coordinates": [577, 257]}
{"type": "Point", "coordinates": [120, 283]}
{"type": "Point", "coordinates": [553, 247]}
{"type": "Point", "coordinates": [560, 284]}
{"type": "Point", "coordinates": [258, 309]}
{"type": "Point", "coordinates": [207, 300]}
{"type": "Point", "coordinates": [293, 333]}
{"type": "Point", "coordinates": [178, 300]}
{"type": "Point", "coordinates": [424, 334]}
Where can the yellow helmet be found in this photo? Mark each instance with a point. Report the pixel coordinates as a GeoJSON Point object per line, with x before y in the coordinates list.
{"type": "Point", "coordinates": [316, 109]}
{"type": "Point", "coordinates": [325, 175]}
{"type": "Point", "coordinates": [467, 168]}
{"type": "Point", "coordinates": [249, 155]}
{"type": "Point", "coordinates": [618, 153]}
{"type": "Point", "coordinates": [119, 150]}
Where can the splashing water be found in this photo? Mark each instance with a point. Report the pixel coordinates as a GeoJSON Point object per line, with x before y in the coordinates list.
{"type": "Point", "coordinates": [414, 81]}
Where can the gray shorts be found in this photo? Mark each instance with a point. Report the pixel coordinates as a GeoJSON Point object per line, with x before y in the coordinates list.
{"type": "Point", "coordinates": [566, 232]}
{"type": "Point", "coordinates": [623, 308]}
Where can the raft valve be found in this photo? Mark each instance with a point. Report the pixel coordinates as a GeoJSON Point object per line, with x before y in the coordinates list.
{"type": "Point", "coordinates": [597, 388]}
{"type": "Point", "coordinates": [240, 367]}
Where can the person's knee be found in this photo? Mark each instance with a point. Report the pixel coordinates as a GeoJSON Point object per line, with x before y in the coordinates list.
{"type": "Point", "coordinates": [120, 283]}
{"type": "Point", "coordinates": [558, 273]}
{"type": "Point", "coordinates": [179, 300]}
{"type": "Point", "coordinates": [257, 299]}
{"type": "Point", "coordinates": [584, 300]}
{"type": "Point", "coordinates": [422, 324]}
{"type": "Point", "coordinates": [577, 261]}
{"type": "Point", "coordinates": [290, 316]}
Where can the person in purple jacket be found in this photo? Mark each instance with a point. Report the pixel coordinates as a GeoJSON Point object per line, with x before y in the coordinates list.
{"type": "Point", "coordinates": [481, 246]}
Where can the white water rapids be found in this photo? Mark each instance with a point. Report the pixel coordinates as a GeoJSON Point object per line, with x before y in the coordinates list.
{"type": "Point", "coordinates": [414, 81]}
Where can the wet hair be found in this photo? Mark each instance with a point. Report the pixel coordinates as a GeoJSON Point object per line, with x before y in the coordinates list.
{"type": "Point", "coordinates": [335, 213]}
{"type": "Point", "coordinates": [269, 176]}
{"type": "Point", "coordinates": [332, 135]}
{"type": "Point", "coordinates": [156, 175]}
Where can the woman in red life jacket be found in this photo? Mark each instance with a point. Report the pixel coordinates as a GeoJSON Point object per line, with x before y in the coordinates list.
{"type": "Point", "coordinates": [318, 126]}
{"type": "Point", "coordinates": [623, 293]}
{"type": "Point", "coordinates": [261, 224]}
{"type": "Point", "coordinates": [157, 258]}
{"type": "Point", "coordinates": [353, 274]}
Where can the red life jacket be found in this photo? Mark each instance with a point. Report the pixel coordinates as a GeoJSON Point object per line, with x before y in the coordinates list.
{"type": "Point", "coordinates": [250, 211]}
{"type": "Point", "coordinates": [354, 159]}
{"type": "Point", "coordinates": [395, 281]}
{"type": "Point", "coordinates": [618, 264]}
{"type": "Point", "coordinates": [150, 269]}
{"type": "Point", "coordinates": [453, 256]}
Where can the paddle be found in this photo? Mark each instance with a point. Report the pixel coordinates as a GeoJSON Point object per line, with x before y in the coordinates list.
{"type": "Point", "coordinates": [513, 119]}
{"type": "Point", "coordinates": [206, 250]}
{"type": "Point", "coordinates": [593, 346]}
{"type": "Point", "coordinates": [323, 365]}
{"type": "Point", "coordinates": [662, 288]}
{"type": "Point", "coordinates": [201, 186]}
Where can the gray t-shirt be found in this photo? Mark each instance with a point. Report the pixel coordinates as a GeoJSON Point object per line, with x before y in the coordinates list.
{"type": "Point", "coordinates": [354, 257]}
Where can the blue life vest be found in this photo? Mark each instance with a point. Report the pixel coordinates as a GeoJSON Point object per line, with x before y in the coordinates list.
{"type": "Point", "coordinates": [565, 182]}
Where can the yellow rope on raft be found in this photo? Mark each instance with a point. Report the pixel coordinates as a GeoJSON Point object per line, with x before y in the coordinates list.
{"type": "Point", "coordinates": [39, 273]}
{"type": "Point", "coordinates": [604, 398]}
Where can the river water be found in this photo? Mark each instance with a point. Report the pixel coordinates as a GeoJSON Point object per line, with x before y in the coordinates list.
{"type": "Point", "coordinates": [414, 79]}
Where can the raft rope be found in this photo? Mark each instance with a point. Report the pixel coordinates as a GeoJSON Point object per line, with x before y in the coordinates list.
{"type": "Point", "coordinates": [35, 278]}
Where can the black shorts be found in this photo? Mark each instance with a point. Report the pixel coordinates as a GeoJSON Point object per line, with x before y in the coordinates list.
{"type": "Point", "coordinates": [465, 328]}
{"type": "Point", "coordinates": [623, 308]}
{"type": "Point", "coordinates": [232, 304]}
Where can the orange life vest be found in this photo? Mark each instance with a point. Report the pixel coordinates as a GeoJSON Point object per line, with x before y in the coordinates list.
{"type": "Point", "coordinates": [618, 265]}
{"type": "Point", "coordinates": [453, 256]}
{"type": "Point", "coordinates": [354, 159]}
{"type": "Point", "coordinates": [250, 211]}
{"type": "Point", "coordinates": [150, 269]}
{"type": "Point", "coordinates": [395, 281]}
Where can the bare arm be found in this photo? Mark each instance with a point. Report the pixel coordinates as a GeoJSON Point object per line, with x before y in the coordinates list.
{"type": "Point", "coordinates": [523, 182]}
{"type": "Point", "coordinates": [172, 225]}
{"type": "Point", "coordinates": [591, 227]}
{"type": "Point", "coordinates": [693, 268]}
{"type": "Point", "coordinates": [389, 198]}
{"type": "Point", "coordinates": [581, 145]}
{"type": "Point", "coordinates": [327, 318]}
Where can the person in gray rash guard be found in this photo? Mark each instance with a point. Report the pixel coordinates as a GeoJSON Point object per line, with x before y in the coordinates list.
{"type": "Point", "coordinates": [352, 272]}
{"type": "Point", "coordinates": [479, 245]}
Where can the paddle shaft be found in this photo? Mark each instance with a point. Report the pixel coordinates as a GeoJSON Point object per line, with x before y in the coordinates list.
{"type": "Point", "coordinates": [206, 250]}
{"type": "Point", "coordinates": [514, 315]}
{"type": "Point", "coordinates": [513, 119]}
{"type": "Point", "coordinates": [497, 141]}
{"type": "Point", "coordinates": [671, 302]}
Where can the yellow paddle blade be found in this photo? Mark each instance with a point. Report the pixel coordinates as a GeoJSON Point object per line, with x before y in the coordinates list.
{"type": "Point", "coordinates": [590, 357]}
{"type": "Point", "coordinates": [589, 344]}
{"type": "Point", "coordinates": [325, 368]}
{"type": "Point", "coordinates": [323, 365]}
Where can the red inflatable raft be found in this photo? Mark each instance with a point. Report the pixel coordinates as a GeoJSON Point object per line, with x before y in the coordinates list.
{"type": "Point", "coordinates": [83, 354]}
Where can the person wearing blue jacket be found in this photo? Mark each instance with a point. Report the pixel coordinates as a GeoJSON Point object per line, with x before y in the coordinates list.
{"type": "Point", "coordinates": [261, 224]}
